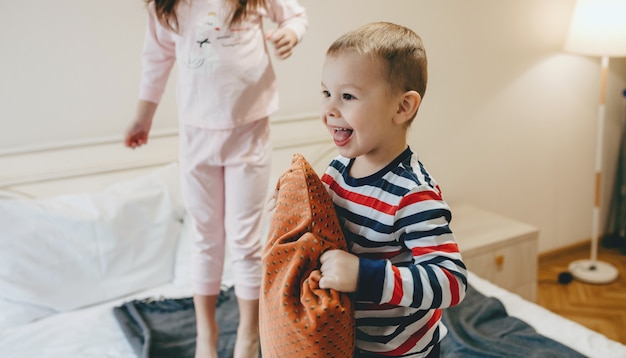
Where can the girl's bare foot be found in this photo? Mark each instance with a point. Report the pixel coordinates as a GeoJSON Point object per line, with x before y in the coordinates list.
{"type": "Point", "coordinates": [206, 349]}
{"type": "Point", "coordinates": [246, 346]}
{"type": "Point", "coordinates": [206, 344]}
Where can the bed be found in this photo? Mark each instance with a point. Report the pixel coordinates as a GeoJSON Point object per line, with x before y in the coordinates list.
{"type": "Point", "coordinates": [77, 246]}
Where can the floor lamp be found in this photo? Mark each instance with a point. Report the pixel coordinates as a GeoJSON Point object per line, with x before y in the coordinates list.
{"type": "Point", "coordinates": [598, 28]}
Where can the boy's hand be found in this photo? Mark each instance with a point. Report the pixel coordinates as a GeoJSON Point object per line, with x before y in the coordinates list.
{"type": "Point", "coordinates": [340, 271]}
{"type": "Point", "coordinates": [283, 40]}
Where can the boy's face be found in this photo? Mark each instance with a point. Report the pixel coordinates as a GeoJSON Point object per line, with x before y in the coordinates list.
{"type": "Point", "coordinates": [358, 108]}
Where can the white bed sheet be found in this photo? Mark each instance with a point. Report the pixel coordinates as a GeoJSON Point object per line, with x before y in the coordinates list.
{"type": "Point", "coordinates": [551, 325]}
{"type": "Point", "coordinates": [89, 332]}
{"type": "Point", "coordinates": [93, 331]}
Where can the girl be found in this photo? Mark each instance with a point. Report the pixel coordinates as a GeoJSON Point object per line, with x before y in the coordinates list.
{"type": "Point", "coordinates": [226, 90]}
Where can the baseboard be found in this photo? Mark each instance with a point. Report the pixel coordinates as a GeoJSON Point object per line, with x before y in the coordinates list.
{"type": "Point", "coordinates": [577, 246]}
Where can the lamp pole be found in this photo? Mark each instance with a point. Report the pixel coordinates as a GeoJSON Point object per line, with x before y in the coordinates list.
{"type": "Point", "coordinates": [592, 270]}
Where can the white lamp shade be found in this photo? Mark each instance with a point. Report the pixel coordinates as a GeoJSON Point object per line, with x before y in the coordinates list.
{"type": "Point", "coordinates": [598, 28]}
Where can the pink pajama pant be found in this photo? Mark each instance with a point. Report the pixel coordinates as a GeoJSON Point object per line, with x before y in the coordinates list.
{"type": "Point", "coordinates": [225, 176]}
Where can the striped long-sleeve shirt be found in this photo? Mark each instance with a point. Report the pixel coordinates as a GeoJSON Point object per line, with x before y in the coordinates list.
{"type": "Point", "coordinates": [410, 267]}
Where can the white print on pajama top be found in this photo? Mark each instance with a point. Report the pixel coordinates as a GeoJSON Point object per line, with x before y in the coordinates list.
{"type": "Point", "coordinates": [209, 34]}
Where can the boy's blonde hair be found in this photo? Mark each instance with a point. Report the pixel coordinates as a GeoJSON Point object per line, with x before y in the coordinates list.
{"type": "Point", "coordinates": [400, 48]}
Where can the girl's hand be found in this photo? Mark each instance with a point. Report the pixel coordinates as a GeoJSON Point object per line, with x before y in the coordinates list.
{"type": "Point", "coordinates": [137, 133]}
{"type": "Point", "coordinates": [283, 40]}
{"type": "Point", "coordinates": [340, 270]}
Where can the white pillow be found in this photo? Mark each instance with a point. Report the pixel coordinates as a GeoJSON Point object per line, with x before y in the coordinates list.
{"type": "Point", "coordinates": [72, 251]}
{"type": "Point", "coordinates": [14, 314]}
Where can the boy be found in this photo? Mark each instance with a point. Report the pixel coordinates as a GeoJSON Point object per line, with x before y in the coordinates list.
{"type": "Point", "coordinates": [404, 265]}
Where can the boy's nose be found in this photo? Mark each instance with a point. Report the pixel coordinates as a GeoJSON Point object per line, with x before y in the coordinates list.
{"type": "Point", "coordinates": [329, 110]}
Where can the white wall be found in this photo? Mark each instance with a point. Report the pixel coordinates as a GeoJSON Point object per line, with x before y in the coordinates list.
{"type": "Point", "coordinates": [508, 121]}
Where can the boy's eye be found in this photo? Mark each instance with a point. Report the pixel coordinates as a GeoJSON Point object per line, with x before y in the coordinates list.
{"type": "Point", "coordinates": [347, 96]}
{"type": "Point", "coordinates": [325, 94]}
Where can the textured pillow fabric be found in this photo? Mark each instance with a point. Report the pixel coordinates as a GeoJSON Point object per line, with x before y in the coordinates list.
{"type": "Point", "coordinates": [297, 318]}
{"type": "Point", "coordinates": [71, 251]}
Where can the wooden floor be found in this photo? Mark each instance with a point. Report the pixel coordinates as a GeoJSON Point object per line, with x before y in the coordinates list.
{"type": "Point", "coordinates": [601, 308]}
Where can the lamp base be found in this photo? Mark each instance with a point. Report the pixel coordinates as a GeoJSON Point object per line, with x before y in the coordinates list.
{"type": "Point", "coordinates": [598, 273]}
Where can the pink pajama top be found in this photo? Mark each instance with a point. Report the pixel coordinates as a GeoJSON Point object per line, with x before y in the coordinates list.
{"type": "Point", "coordinates": [225, 75]}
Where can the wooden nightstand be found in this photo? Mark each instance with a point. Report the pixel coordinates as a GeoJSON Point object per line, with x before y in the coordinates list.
{"type": "Point", "coordinates": [497, 248]}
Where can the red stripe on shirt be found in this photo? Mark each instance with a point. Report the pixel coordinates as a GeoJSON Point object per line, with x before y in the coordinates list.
{"type": "Point", "coordinates": [454, 288]}
{"type": "Point", "coordinates": [398, 292]}
{"type": "Point", "coordinates": [419, 197]}
{"type": "Point", "coordinates": [415, 337]}
{"type": "Point", "coordinates": [359, 198]}
{"type": "Point", "coordinates": [326, 178]}
{"type": "Point", "coordinates": [424, 250]}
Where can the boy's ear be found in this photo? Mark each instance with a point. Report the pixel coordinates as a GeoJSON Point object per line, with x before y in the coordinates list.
{"type": "Point", "coordinates": [407, 107]}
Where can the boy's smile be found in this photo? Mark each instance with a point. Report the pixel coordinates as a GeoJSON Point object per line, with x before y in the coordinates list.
{"type": "Point", "coordinates": [341, 136]}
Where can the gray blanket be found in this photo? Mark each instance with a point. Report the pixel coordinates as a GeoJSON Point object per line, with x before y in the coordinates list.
{"type": "Point", "coordinates": [481, 327]}
{"type": "Point", "coordinates": [478, 327]}
{"type": "Point", "coordinates": [167, 328]}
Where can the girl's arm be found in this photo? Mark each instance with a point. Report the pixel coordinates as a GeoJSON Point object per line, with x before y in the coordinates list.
{"type": "Point", "coordinates": [158, 57]}
{"type": "Point", "coordinates": [288, 14]}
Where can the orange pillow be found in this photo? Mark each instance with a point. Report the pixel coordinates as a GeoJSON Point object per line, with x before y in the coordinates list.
{"type": "Point", "coordinates": [297, 318]}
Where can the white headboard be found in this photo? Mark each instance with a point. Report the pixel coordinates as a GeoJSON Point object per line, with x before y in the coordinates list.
{"type": "Point", "coordinates": [88, 165]}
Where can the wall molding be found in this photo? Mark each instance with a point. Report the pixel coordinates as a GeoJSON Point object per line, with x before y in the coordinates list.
{"type": "Point", "coordinates": [84, 143]}
{"type": "Point", "coordinates": [107, 154]}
